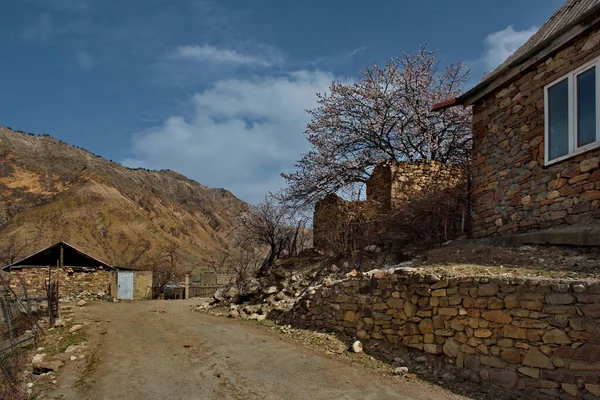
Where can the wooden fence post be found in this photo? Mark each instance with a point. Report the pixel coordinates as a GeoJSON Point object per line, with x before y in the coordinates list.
{"type": "Point", "coordinates": [186, 295]}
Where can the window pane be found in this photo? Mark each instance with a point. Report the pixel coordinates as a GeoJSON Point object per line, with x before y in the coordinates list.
{"type": "Point", "coordinates": [558, 119]}
{"type": "Point", "coordinates": [586, 107]}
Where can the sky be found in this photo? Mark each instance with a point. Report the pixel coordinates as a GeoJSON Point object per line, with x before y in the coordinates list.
{"type": "Point", "coordinates": [218, 90]}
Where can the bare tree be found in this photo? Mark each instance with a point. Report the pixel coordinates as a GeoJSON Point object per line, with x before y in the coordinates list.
{"type": "Point", "coordinates": [384, 116]}
{"type": "Point", "coordinates": [166, 266]}
{"type": "Point", "coordinates": [12, 250]}
{"type": "Point", "coordinates": [274, 226]}
{"type": "Point", "coordinates": [245, 262]}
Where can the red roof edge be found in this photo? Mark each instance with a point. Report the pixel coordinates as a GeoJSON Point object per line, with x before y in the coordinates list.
{"type": "Point", "coordinates": [445, 104]}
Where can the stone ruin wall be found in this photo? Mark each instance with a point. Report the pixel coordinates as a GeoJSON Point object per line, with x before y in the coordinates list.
{"type": "Point", "coordinates": [87, 285]}
{"type": "Point", "coordinates": [513, 191]}
{"type": "Point", "coordinates": [532, 338]}
{"type": "Point", "coordinates": [393, 185]}
{"type": "Point", "coordinates": [390, 189]}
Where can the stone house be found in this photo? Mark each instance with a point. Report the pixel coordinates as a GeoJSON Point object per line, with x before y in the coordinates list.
{"type": "Point", "coordinates": [536, 130]}
{"type": "Point", "coordinates": [78, 274]}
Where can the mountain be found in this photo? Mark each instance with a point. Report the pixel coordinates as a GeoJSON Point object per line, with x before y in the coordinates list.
{"type": "Point", "coordinates": [50, 191]}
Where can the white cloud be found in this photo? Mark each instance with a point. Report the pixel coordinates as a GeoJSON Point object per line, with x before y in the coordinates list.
{"type": "Point", "coordinates": [41, 29]}
{"type": "Point", "coordinates": [85, 60]}
{"type": "Point", "coordinates": [503, 43]}
{"type": "Point", "coordinates": [241, 134]}
{"type": "Point", "coordinates": [215, 55]}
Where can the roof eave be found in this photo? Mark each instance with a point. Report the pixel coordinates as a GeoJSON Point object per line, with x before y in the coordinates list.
{"type": "Point", "coordinates": [542, 50]}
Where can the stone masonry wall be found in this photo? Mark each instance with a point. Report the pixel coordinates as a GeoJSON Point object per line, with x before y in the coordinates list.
{"type": "Point", "coordinates": [391, 188]}
{"type": "Point", "coordinates": [71, 284]}
{"type": "Point", "coordinates": [512, 189]}
{"type": "Point", "coordinates": [391, 185]}
{"type": "Point", "coordinates": [534, 338]}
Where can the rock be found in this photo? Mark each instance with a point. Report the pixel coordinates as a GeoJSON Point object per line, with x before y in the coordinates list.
{"type": "Point", "coordinates": [271, 290]}
{"type": "Point", "coordinates": [570, 388]}
{"type": "Point", "coordinates": [497, 316]}
{"type": "Point", "coordinates": [514, 332]}
{"type": "Point", "coordinates": [401, 370]}
{"type": "Point", "coordinates": [75, 328]}
{"type": "Point", "coordinates": [410, 309]}
{"type": "Point", "coordinates": [560, 298]}
{"type": "Point", "coordinates": [593, 389]}
{"type": "Point", "coordinates": [489, 289]}
{"type": "Point", "coordinates": [556, 336]}
{"type": "Point", "coordinates": [357, 346]}
{"type": "Point", "coordinates": [72, 358]}
{"type": "Point", "coordinates": [73, 348]}
{"type": "Point", "coordinates": [448, 377]}
{"type": "Point", "coordinates": [451, 348]}
{"type": "Point", "coordinates": [46, 366]}
{"type": "Point", "coordinates": [511, 356]}
{"type": "Point", "coordinates": [280, 296]}
{"type": "Point", "coordinates": [38, 358]}
{"type": "Point", "coordinates": [504, 378]}
{"type": "Point", "coordinates": [59, 322]}
{"type": "Point", "coordinates": [233, 314]}
{"type": "Point", "coordinates": [426, 326]}
{"type": "Point", "coordinates": [261, 317]}
{"type": "Point", "coordinates": [81, 303]}
{"type": "Point", "coordinates": [535, 358]}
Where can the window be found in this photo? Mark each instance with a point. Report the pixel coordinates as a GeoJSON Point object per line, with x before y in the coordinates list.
{"type": "Point", "coordinates": [572, 113]}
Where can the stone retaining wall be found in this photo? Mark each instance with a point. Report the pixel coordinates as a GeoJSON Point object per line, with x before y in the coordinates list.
{"type": "Point", "coordinates": [534, 338]}
{"type": "Point", "coordinates": [72, 284]}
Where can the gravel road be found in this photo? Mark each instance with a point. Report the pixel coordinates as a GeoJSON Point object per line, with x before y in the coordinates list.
{"type": "Point", "coordinates": [162, 350]}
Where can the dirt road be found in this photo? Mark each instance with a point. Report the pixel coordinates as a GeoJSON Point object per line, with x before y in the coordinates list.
{"type": "Point", "coordinates": [162, 350]}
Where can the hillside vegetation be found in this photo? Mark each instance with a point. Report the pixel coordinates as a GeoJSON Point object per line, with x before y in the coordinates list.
{"type": "Point", "coordinates": [50, 191]}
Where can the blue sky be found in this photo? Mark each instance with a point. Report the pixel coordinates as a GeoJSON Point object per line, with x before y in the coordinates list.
{"type": "Point", "coordinates": [217, 90]}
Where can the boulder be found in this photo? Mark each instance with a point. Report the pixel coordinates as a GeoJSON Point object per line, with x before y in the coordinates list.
{"type": "Point", "coordinates": [46, 366]}
{"type": "Point", "coordinates": [81, 303]}
{"type": "Point", "coordinates": [250, 287]}
{"type": "Point", "coordinates": [75, 328]}
{"type": "Point", "coordinates": [357, 346]}
{"type": "Point", "coordinates": [38, 358]}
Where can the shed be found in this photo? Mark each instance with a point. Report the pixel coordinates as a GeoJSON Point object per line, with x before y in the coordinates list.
{"type": "Point", "coordinates": [79, 275]}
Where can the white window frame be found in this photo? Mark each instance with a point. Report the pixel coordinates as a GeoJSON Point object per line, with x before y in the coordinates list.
{"type": "Point", "coordinates": [572, 101]}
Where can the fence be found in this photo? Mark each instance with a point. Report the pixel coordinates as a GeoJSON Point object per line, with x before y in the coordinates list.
{"type": "Point", "coordinates": [19, 326]}
{"type": "Point", "coordinates": [202, 290]}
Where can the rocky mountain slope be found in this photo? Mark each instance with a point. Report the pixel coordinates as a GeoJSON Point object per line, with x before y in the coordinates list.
{"type": "Point", "coordinates": [50, 191]}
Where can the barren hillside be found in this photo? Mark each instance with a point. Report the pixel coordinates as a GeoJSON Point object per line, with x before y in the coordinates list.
{"type": "Point", "coordinates": [51, 191]}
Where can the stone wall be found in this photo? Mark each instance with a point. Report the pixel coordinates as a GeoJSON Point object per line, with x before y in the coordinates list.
{"type": "Point", "coordinates": [72, 284]}
{"type": "Point", "coordinates": [533, 338]}
{"type": "Point", "coordinates": [142, 285]}
{"type": "Point", "coordinates": [396, 193]}
{"type": "Point", "coordinates": [512, 189]}
{"type": "Point", "coordinates": [392, 184]}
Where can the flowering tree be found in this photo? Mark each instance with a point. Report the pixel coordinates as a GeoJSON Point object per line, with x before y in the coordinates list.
{"type": "Point", "coordinates": [385, 116]}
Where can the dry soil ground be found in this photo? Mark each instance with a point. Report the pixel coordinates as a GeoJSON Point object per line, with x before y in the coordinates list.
{"type": "Point", "coordinates": [162, 350]}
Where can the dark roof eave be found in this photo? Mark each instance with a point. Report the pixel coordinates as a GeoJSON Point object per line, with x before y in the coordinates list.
{"type": "Point", "coordinates": [560, 38]}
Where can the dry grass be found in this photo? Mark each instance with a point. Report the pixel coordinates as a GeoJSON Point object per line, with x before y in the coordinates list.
{"type": "Point", "coordinates": [526, 261]}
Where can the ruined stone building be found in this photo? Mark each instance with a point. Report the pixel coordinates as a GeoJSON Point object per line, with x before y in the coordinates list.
{"type": "Point", "coordinates": [393, 190]}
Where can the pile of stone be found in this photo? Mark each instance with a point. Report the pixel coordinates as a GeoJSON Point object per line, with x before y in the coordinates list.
{"type": "Point", "coordinates": [256, 298]}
